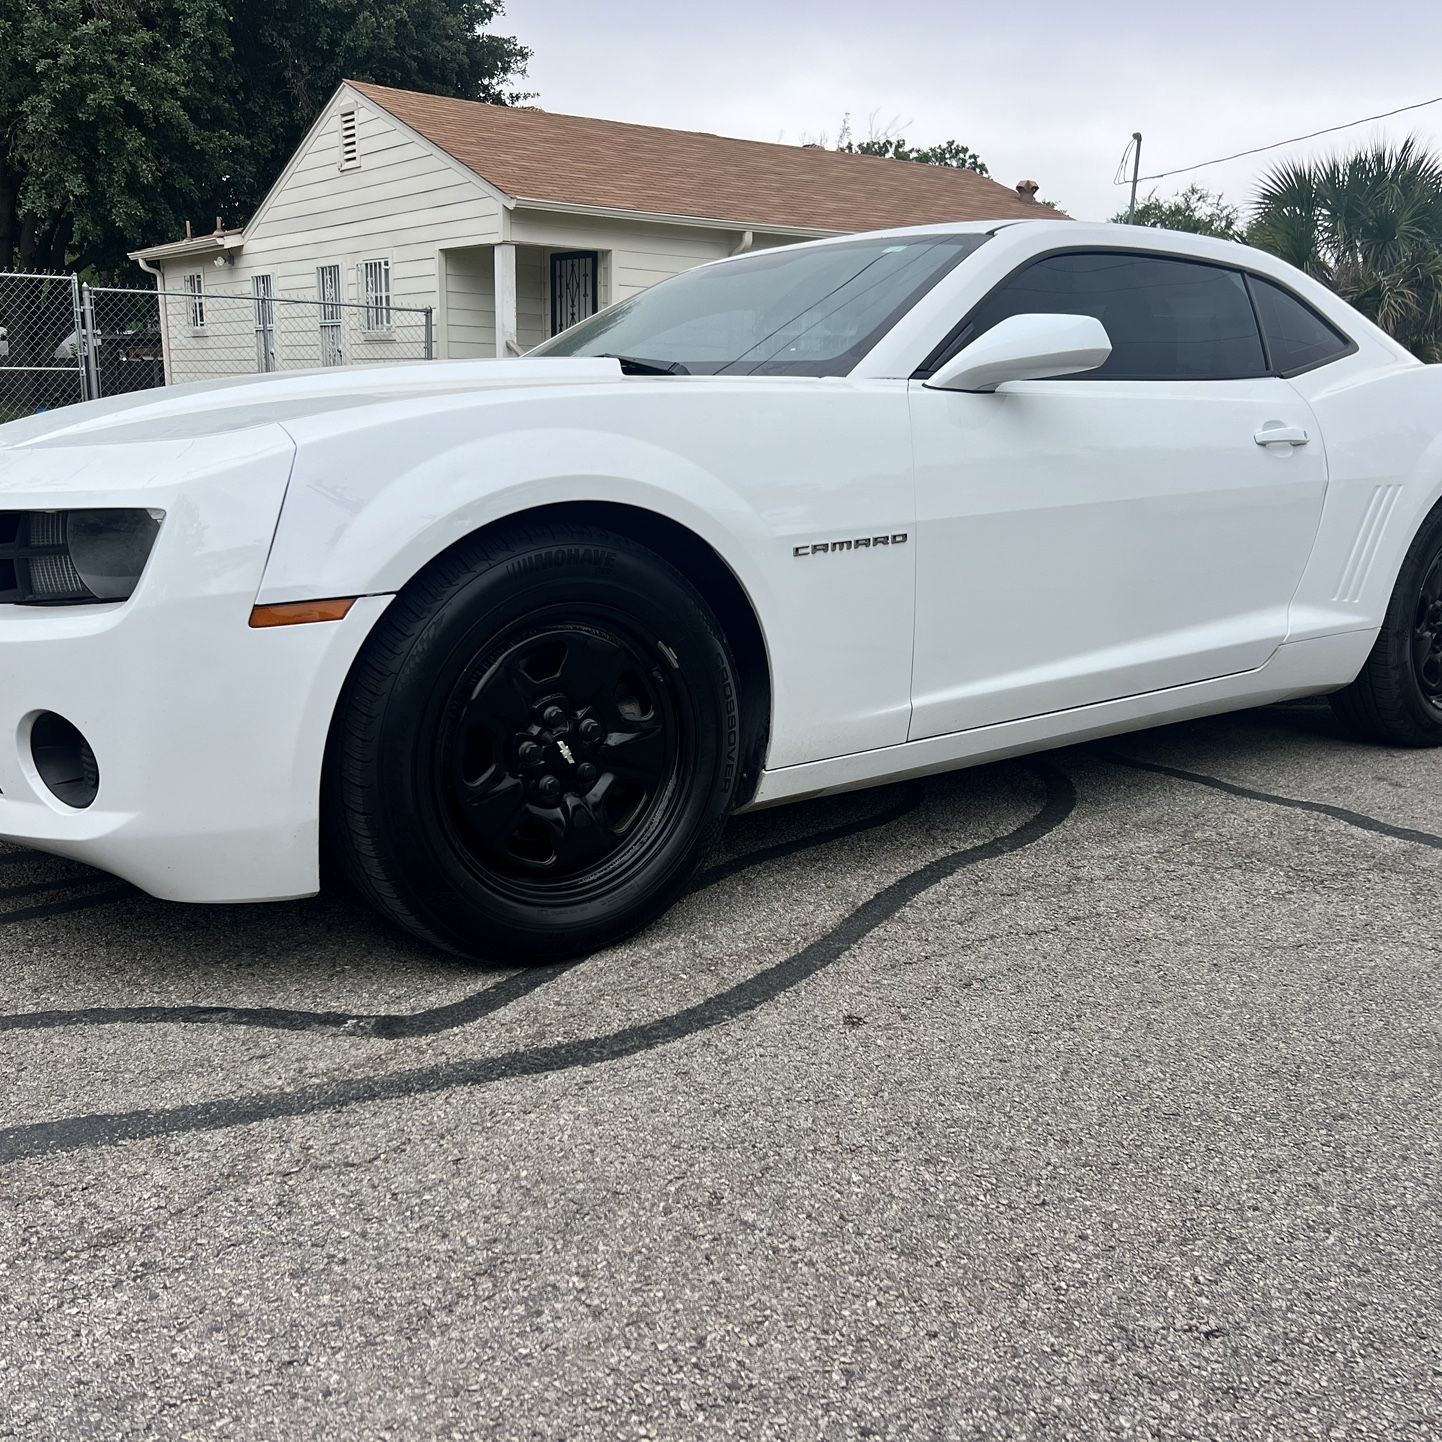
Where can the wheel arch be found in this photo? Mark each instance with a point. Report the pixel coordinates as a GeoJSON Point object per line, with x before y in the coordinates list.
{"type": "Point", "coordinates": [706, 569]}
{"type": "Point", "coordinates": [1418, 497]}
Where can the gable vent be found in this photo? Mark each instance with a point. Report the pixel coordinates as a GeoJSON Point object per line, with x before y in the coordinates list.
{"type": "Point", "coordinates": [349, 144]}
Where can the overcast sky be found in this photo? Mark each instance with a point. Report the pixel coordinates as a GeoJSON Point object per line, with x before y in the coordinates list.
{"type": "Point", "coordinates": [1040, 89]}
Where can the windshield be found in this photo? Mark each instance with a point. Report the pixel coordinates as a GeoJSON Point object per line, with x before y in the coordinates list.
{"type": "Point", "coordinates": [790, 311]}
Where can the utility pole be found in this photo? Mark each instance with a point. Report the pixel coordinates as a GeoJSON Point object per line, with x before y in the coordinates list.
{"type": "Point", "coordinates": [1136, 171]}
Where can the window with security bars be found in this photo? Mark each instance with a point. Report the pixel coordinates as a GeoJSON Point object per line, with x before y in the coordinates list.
{"type": "Point", "coordinates": [376, 287]}
{"type": "Point", "coordinates": [263, 287]}
{"type": "Point", "coordinates": [194, 284]}
{"type": "Point", "coordinates": [573, 287]}
{"type": "Point", "coordinates": [327, 289]}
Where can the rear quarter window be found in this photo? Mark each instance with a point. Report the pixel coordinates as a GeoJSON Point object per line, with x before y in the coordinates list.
{"type": "Point", "coordinates": [1298, 339]}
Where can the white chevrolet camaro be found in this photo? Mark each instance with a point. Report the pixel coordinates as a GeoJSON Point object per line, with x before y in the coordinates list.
{"type": "Point", "coordinates": [511, 639]}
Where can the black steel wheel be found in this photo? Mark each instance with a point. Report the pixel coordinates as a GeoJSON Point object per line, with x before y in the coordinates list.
{"type": "Point", "coordinates": [561, 755]}
{"type": "Point", "coordinates": [537, 747]}
{"type": "Point", "coordinates": [1397, 698]}
{"type": "Point", "coordinates": [1427, 632]}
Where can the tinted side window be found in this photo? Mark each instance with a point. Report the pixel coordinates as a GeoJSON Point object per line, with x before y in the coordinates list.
{"type": "Point", "coordinates": [1167, 319]}
{"type": "Point", "coordinates": [1297, 337]}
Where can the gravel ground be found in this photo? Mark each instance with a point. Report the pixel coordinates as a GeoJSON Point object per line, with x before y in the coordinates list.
{"type": "Point", "coordinates": [1089, 1096]}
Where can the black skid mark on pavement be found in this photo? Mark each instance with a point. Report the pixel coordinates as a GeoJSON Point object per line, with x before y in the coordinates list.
{"type": "Point", "coordinates": [478, 1004]}
{"type": "Point", "coordinates": [1322, 808]}
{"type": "Point", "coordinates": [72, 903]}
{"type": "Point", "coordinates": [69, 1134]}
{"type": "Point", "coordinates": [909, 798]}
{"type": "Point", "coordinates": [78, 881]}
{"type": "Point", "coordinates": [396, 1026]}
{"type": "Point", "coordinates": [38, 888]}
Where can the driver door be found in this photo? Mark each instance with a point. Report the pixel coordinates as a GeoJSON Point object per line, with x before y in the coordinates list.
{"type": "Point", "coordinates": [1089, 538]}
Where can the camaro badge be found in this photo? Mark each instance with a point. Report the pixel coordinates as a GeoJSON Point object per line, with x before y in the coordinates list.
{"type": "Point", "coordinates": [861, 543]}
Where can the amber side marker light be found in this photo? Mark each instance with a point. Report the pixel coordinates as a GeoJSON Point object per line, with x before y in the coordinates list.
{"type": "Point", "coordinates": [300, 613]}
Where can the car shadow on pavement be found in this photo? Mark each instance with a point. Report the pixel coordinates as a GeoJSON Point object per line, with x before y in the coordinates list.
{"type": "Point", "coordinates": [334, 942]}
{"type": "Point", "coordinates": [114, 939]}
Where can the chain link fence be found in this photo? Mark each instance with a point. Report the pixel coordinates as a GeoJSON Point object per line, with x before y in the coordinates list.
{"type": "Point", "coordinates": [63, 341]}
{"type": "Point", "coordinates": [40, 358]}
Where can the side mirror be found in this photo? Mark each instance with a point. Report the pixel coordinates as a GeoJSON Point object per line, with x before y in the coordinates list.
{"type": "Point", "coordinates": [1026, 348]}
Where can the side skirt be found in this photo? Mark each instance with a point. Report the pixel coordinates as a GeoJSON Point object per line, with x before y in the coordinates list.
{"type": "Point", "coordinates": [1300, 668]}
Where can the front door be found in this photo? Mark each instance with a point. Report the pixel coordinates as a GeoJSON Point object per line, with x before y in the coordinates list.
{"type": "Point", "coordinates": [573, 287]}
{"type": "Point", "coordinates": [1082, 540]}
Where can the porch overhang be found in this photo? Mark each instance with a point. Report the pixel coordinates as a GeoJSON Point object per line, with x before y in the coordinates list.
{"type": "Point", "coordinates": [199, 247]}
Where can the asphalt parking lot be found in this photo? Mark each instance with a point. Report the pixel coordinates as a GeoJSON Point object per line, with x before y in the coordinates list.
{"type": "Point", "coordinates": [1090, 1095]}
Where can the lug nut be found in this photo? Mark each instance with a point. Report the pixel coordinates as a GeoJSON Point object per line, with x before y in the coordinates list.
{"type": "Point", "coordinates": [586, 774]}
{"type": "Point", "coordinates": [590, 729]}
{"type": "Point", "coordinates": [530, 753]}
{"type": "Point", "coordinates": [549, 788]}
{"type": "Point", "coordinates": [552, 716]}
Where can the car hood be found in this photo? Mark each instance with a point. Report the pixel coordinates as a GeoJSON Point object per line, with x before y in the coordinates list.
{"type": "Point", "coordinates": [203, 408]}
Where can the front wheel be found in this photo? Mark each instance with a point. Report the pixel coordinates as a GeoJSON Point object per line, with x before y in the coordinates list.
{"type": "Point", "coordinates": [537, 747]}
{"type": "Point", "coordinates": [1397, 698]}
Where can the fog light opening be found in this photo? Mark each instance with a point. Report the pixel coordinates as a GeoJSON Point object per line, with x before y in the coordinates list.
{"type": "Point", "coordinates": [63, 760]}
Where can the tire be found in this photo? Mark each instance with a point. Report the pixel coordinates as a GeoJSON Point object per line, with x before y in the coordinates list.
{"type": "Point", "coordinates": [537, 746]}
{"type": "Point", "coordinates": [1397, 698]}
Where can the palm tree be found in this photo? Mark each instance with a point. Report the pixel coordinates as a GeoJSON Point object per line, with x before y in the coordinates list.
{"type": "Point", "coordinates": [1369, 225]}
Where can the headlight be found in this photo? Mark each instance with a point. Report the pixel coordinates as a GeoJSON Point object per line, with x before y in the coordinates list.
{"type": "Point", "coordinates": [70, 557]}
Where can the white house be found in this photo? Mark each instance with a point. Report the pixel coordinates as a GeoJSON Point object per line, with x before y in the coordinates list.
{"type": "Point", "coordinates": [509, 224]}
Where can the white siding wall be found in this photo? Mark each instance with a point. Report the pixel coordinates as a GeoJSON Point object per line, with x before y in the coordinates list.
{"type": "Point", "coordinates": [470, 309]}
{"type": "Point", "coordinates": [533, 299]}
{"type": "Point", "coordinates": [402, 202]}
{"type": "Point", "coordinates": [226, 344]}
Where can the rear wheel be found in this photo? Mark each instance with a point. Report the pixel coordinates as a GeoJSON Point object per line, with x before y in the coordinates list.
{"type": "Point", "coordinates": [1397, 698]}
{"type": "Point", "coordinates": [537, 746]}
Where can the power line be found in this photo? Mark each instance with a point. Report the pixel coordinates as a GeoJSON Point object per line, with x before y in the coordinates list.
{"type": "Point", "coordinates": [1276, 144]}
{"type": "Point", "coordinates": [1120, 178]}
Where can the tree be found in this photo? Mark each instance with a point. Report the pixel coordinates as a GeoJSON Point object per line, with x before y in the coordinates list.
{"type": "Point", "coordinates": [119, 119]}
{"type": "Point", "coordinates": [1195, 209]}
{"type": "Point", "coordinates": [883, 141]}
{"type": "Point", "coordinates": [98, 105]}
{"type": "Point", "coordinates": [1369, 225]}
{"type": "Point", "coordinates": [950, 153]}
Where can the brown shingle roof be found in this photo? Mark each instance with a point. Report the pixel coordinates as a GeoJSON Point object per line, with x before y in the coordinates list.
{"type": "Point", "coordinates": [571, 160]}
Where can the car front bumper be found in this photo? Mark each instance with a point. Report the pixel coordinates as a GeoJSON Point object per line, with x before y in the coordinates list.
{"type": "Point", "coordinates": [209, 734]}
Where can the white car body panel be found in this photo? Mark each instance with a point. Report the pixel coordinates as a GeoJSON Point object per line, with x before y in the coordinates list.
{"type": "Point", "coordinates": [673, 446]}
{"type": "Point", "coordinates": [211, 734]}
{"type": "Point", "coordinates": [1303, 668]}
{"type": "Point", "coordinates": [1078, 559]}
{"type": "Point", "coordinates": [1384, 455]}
{"type": "Point", "coordinates": [1117, 536]}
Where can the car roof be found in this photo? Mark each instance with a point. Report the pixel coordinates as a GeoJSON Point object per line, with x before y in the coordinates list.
{"type": "Point", "coordinates": [1069, 233]}
{"type": "Point", "coordinates": [1072, 234]}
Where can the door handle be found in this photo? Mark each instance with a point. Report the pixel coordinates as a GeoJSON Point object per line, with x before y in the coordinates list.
{"type": "Point", "coordinates": [1275, 433]}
